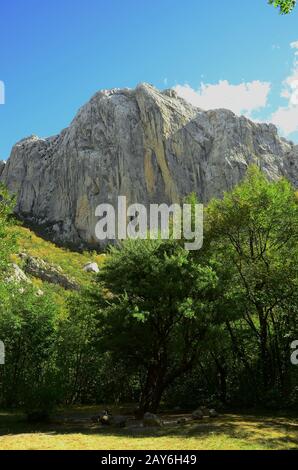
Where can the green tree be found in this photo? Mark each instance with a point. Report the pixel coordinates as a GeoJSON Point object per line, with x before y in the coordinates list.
{"type": "Point", "coordinates": [285, 6]}
{"type": "Point", "coordinates": [28, 330]}
{"type": "Point", "coordinates": [253, 246]}
{"type": "Point", "coordinates": [78, 360]}
{"type": "Point", "coordinates": [157, 313]}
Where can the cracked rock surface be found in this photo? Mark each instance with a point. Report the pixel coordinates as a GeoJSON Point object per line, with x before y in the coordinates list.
{"type": "Point", "coordinates": [148, 145]}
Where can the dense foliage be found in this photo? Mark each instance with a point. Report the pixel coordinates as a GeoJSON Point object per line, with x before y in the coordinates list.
{"type": "Point", "coordinates": [159, 313]}
{"type": "Point", "coordinates": [161, 325]}
{"type": "Point", "coordinates": [285, 6]}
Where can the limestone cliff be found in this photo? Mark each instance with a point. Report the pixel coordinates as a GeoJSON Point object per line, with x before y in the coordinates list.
{"type": "Point", "coordinates": [149, 145]}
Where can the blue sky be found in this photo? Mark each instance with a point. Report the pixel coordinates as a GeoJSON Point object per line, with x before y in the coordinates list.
{"type": "Point", "coordinates": [55, 54]}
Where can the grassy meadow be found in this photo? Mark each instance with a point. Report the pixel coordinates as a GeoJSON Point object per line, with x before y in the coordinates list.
{"type": "Point", "coordinates": [73, 430]}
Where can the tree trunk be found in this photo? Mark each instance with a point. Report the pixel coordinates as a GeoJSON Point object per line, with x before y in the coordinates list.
{"type": "Point", "coordinates": [264, 356]}
{"type": "Point", "coordinates": [153, 389]}
{"type": "Point", "coordinates": [222, 375]}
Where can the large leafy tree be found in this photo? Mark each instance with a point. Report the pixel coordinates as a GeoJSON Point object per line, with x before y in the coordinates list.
{"type": "Point", "coordinates": [157, 314]}
{"type": "Point", "coordinates": [254, 233]}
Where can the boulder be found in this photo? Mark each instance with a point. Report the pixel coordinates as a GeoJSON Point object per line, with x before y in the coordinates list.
{"type": "Point", "coordinates": [182, 420]}
{"type": "Point", "coordinates": [213, 413]}
{"type": "Point", "coordinates": [204, 410]}
{"type": "Point", "coordinates": [91, 268]}
{"type": "Point", "coordinates": [151, 420]}
{"type": "Point", "coordinates": [197, 414]}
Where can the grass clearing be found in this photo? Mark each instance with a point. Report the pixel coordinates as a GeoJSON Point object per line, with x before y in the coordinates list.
{"type": "Point", "coordinates": [227, 432]}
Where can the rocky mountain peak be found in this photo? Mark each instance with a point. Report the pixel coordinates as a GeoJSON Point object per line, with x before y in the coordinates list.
{"type": "Point", "coordinates": [146, 144]}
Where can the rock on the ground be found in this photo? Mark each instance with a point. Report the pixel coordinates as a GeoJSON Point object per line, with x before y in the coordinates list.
{"type": "Point", "coordinates": [46, 272]}
{"type": "Point", "coordinates": [91, 268]}
{"type": "Point", "coordinates": [204, 410]}
{"type": "Point", "coordinates": [151, 420]}
{"type": "Point", "coordinates": [182, 420]}
{"type": "Point", "coordinates": [197, 414]}
{"type": "Point", "coordinates": [213, 413]}
{"type": "Point", "coordinates": [16, 274]}
{"type": "Point", "coordinates": [147, 145]}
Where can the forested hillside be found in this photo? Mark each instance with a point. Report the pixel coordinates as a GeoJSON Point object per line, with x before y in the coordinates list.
{"type": "Point", "coordinates": [157, 326]}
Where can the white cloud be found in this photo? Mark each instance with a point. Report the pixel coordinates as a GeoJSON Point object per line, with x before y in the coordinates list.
{"type": "Point", "coordinates": [249, 97]}
{"type": "Point", "coordinates": [286, 117]}
{"type": "Point", "coordinates": [294, 45]}
{"type": "Point", "coordinates": [243, 98]}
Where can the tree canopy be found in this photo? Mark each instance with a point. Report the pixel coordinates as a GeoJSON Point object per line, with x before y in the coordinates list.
{"type": "Point", "coordinates": [285, 6]}
{"type": "Point", "coordinates": [160, 325]}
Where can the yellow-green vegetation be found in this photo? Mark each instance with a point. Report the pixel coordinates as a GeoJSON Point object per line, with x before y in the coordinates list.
{"type": "Point", "coordinates": [229, 432]}
{"type": "Point", "coordinates": [71, 262]}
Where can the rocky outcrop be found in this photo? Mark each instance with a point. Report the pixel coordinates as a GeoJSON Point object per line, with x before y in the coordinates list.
{"type": "Point", "coordinates": [148, 145]}
{"type": "Point", "coordinates": [17, 275]}
{"type": "Point", "coordinates": [38, 268]}
{"type": "Point", "coordinates": [2, 166]}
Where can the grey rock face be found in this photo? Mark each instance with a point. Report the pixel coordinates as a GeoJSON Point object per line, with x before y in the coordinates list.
{"type": "Point", "coordinates": [17, 275]}
{"type": "Point", "coordinates": [148, 145]}
{"type": "Point", "coordinates": [46, 272]}
{"type": "Point", "coordinates": [2, 166]}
